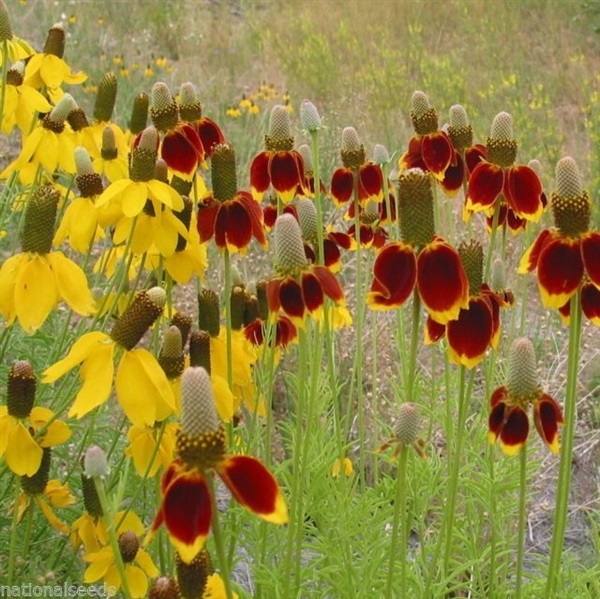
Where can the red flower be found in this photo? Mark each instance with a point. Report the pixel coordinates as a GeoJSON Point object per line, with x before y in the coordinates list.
{"type": "Point", "coordinates": [285, 331]}
{"type": "Point", "coordinates": [370, 184]}
{"type": "Point", "coordinates": [182, 149]}
{"type": "Point", "coordinates": [509, 423]}
{"type": "Point", "coordinates": [284, 170]}
{"type": "Point", "coordinates": [436, 272]}
{"type": "Point", "coordinates": [433, 153]}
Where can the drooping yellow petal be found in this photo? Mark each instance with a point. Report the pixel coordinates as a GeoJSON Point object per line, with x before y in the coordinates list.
{"type": "Point", "coordinates": [133, 198]}
{"type": "Point", "coordinates": [71, 283]}
{"type": "Point", "coordinates": [97, 375]}
{"type": "Point", "coordinates": [113, 192]}
{"type": "Point", "coordinates": [57, 432]}
{"type": "Point", "coordinates": [142, 445]}
{"type": "Point", "coordinates": [53, 520]}
{"type": "Point", "coordinates": [35, 293]}
{"type": "Point", "coordinates": [223, 398]}
{"type": "Point", "coordinates": [46, 152]}
{"type": "Point", "coordinates": [100, 562]}
{"type": "Point", "coordinates": [165, 193]}
{"type": "Point", "coordinates": [53, 70]}
{"type": "Point", "coordinates": [145, 562]}
{"type": "Point", "coordinates": [137, 581]}
{"type": "Point", "coordinates": [23, 455]}
{"type": "Point", "coordinates": [8, 280]}
{"type": "Point", "coordinates": [80, 351]}
{"type": "Point", "coordinates": [58, 493]}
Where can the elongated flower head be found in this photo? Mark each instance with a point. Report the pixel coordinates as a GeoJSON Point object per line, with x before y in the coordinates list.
{"type": "Point", "coordinates": [307, 217]}
{"type": "Point", "coordinates": [380, 154]}
{"type": "Point", "coordinates": [55, 119]}
{"type": "Point", "coordinates": [501, 145]}
{"type": "Point", "coordinates": [498, 281]}
{"type": "Point", "coordinates": [279, 138]}
{"type": "Point", "coordinates": [87, 180]}
{"type": "Point", "coordinates": [415, 207]}
{"type": "Point", "coordinates": [190, 107]}
{"type": "Point", "coordinates": [200, 350]}
{"type": "Point", "coordinates": [139, 316]}
{"type": "Point", "coordinates": [570, 202]}
{"type": "Point", "coordinates": [77, 118]}
{"type": "Point", "coordinates": [352, 152]}
{"type": "Point", "coordinates": [306, 153]}
{"type": "Point", "coordinates": [6, 32]}
{"type": "Point", "coordinates": [161, 171]}
{"type": "Point", "coordinates": [20, 392]}
{"type": "Point", "coordinates": [35, 485]}
{"type": "Point", "coordinates": [261, 296]}
{"type": "Point", "coordinates": [105, 98]}
{"type": "Point", "coordinates": [471, 256]}
{"type": "Point", "coordinates": [139, 113]}
{"type": "Point", "coordinates": [192, 577]}
{"type": "Point", "coordinates": [237, 305]}
{"type": "Point", "coordinates": [91, 501]}
{"type": "Point", "coordinates": [40, 214]}
{"type": "Point", "coordinates": [16, 73]}
{"type": "Point", "coordinates": [184, 323]}
{"type": "Point", "coordinates": [290, 258]}
{"type": "Point", "coordinates": [201, 439]}
{"type": "Point", "coordinates": [251, 312]}
{"type": "Point", "coordinates": [224, 178]}
{"type": "Point", "coordinates": [143, 156]}
{"type": "Point", "coordinates": [55, 41]}
{"type": "Point", "coordinates": [95, 463]}
{"type": "Point", "coordinates": [209, 317]}
{"type": "Point", "coordinates": [109, 150]}
{"type": "Point", "coordinates": [129, 545]}
{"type": "Point", "coordinates": [407, 426]}
{"type": "Point", "coordinates": [422, 114]}
{"type": "Point", "coordinates": [370, 214]}
{"type": "Point", "coordinates": [170, 357]}
{"type": "Point", "coordinates": [165, 587]}
{"type": "Point", "coordinates": [460, 130]}
{"type": "Point", "coordinates": [163, 107]}
{"type": "Point", "coordinates": [522, 381]}
{"type": "Point", "coordinates": [309, 116]}
{"type": "Point", "coordinates": [536, 166]}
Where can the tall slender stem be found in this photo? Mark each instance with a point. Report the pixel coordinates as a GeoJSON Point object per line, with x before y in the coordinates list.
{"type": "Point", "coordinates": [218, 538]}
{"type": "Point", "coordinates": [522, 519]}
{"type": "Point", "coordinates": [566, 454]}
{"type": "Point", "coordinates": [314, 139]}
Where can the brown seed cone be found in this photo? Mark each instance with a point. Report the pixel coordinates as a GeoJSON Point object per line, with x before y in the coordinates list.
{"type": "Point", "coordinates": [6, 32]}
{"type": "Point", "coordinates": [170, 357]}
{"type": "Point", "coordinates": [415, 207]}
{"type": "Point", "coordinates": [163, 109]}
{"type": "Point", "coordinates": [40, 214]}
{"type": "Point", "coordinates": [209, 317]}
{"type": "Point", "coordinates": [143, 157]}
{"type": "Point", "coordinates": [570, 202]}
{"type": "Point", "coordinates": [423, 115]}
{"type": "Point", "coordinates": [55, 42]}
{"type": "Point", "coordinates": [105, 98]}
{"type": "Point", "coordinates": [20, 392]}
{"type": "Point", "coordinates": [129, 545]}
{"type": "Point", "coordinates": [184, 323]}
{"type": "Point", "coordinates": [224, 178]}
{"type": "Point", "coordinates": [15, 75]}
{"type": "Point", "coordinates": [471, 256]}
{"type": "Point", "coordinates": [192, 577]}
{"type": "Point", "coordinates": [238, 301]}
{"type": "Point", "coordinates": [182, 186]}
{"type": "Point", "coordinates": [35, 485]}
{"type": "Point", "coordinates": [522, 380]}
{"type": "Point", "coordinates": [261, 296]}
{"type": "Point", "coordinates": [109, 150]}
{"type": "Point", "coordinates": [500, 145]}
{"type": "Point", "coordinates": [165, 587]}
{"type": "Point", "coordinates": [139, 316]}
{"type": "Point", "coordinates": [407, 426]}
{"type": "Point", "coordinates": [352, 151]}
{"type": "Point", "coordinates": [190, 108]}
{"type": "Point", "coordinates": [139, 114]}
{"type": "Point", "coordinates": [78, 119]}
{"type": "Point", "coordinates": [200, 350]}
{"type": "Point", "coordinates": [250, 309]}
{"type": "Point", "coordinates": [91, 501]}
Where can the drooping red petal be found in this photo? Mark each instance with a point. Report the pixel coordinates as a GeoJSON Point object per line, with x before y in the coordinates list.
{"type": "Point", "coordinates": [380, 237]}
{"type": "Point", "coordinates": [254, 332]}
{"type": "Point", "coordinates": [286, 332]}
{"type": "Point", "coordinates": [590, 302]}
{"type": "Point", "coordinates": [291, 300]}
{"type": "Point", "coordinates": [473, 156]}
{"type": "Point", "coordinates": [413, 158]}
{"type": "Point", "coordinates": [590, 252]}
{"type": "Point", "coordinates": [499, 395]}
{"type": "Point", "coordinates": [434, 331]}
{"type": "Point", "coordinates": [383, 215]}
{"type": "Point", "coordinates": [186, 512]}
{"type": "Point", "coordinates": [285, 177]}
{"type": "Point", "coordinates": [523, 192]}
{"type": "Point", "coordinates": [471, 334]}
{"type": "Point", "coordinates": [453, 179]}
{"type": "Point", "coordinates": [255, 214]}
{"type": "Point", "coordinates": [273, 287]}
{"type": "Point", "coordinates": [260, 178]}
{"type": "Point", "coordinates": [254, 487]}
{"type": "Point", "coordinates": [239, 223]}
{"type": "Point", "coordinates": [495, 420]}
{"type": "Point", "coordinates": [342, 186]}
{"type": "Point", "coordinates": [181, 149]}
{"type": "Point", "coordinates": [269, 216]}
{"type": "Point", "coordinates": [395, 275]}
{"type": "Point", "coordinates": [329, 284]}
{"type": "Point", "coordinates": [560, 271]}
{"type": "Point", "coordinates": [210, 134]}
{"type": "Point", "coordinates": [371, 181]}
{"type": "Point", "coordinates": [332, 255]}
{"type": "Point", "coordinates": [437, 152]}
{"type": "Point", "coordinates": [442, 281]}
{"type": "Point", "coordinates": [312, 292]}
{"type": "Point", "coordinates": [530, 259]}
{"type": "Point", "coordinates": [515, 223]}
{"type": "Point", "coordinates": [515, 430]}
{"type": "Point", "coordinates": [341, 239]}
{"type": "Point", "coordinates": [547, 416]}
{"type": "Point", "coordinates": [485, 185]}
{"type": "Point", "coordinates": [207, 215]}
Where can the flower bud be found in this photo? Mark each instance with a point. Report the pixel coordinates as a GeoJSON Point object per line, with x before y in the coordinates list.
{"type": "Point", "coordinates": [129, 545]}
{"type": "Point", "coordinates": [139, 114]}
{"type": "Point", "coordinates": [309, 116]}
{"type": "Point", "coordinates": [88, 181]}
{"type": "Point", "coordinates": [20, 392]}
{"type": "Point", "coordinates": [190, 107]}
{"type": "Point", "coordinates": [407, 426]}
{"type": "Point", "coordinates": [163, 108]}
{"type": "Point", "coordinates": [170, 357]}
{"type": "Point", "coordinates": [289, 247]}
{"type": "Point", "coordinates": [423, 115]}
{"type": "Point", "coordinates": [192, 578]}
{"type": "Point", "coordinates": [522, 381]}
{"type": "Point", "coordinates": [500, 145]}
{"type": "Point", "coordinates": [209, 318]}
{"type": "Point", "coordinates": [40, 214]}
{"type": "Point", "coordinates": [570, 202]}
{"type": "Point", "coordinates": [223, 174]}
{"type": "Point", "coordinates": [105, 98]}
{"type": "Point", "coordinates": [95, 464]}
{"type": "Point", "coordinates": [381, 155]}
{"type": "Point", "coordinates": [306, 153]}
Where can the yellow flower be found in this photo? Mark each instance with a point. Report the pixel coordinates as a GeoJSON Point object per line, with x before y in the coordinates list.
{"type": "Point", "coordinates": [138, 563]}
{"type": "Point", "coordinates": [146, 442]}
{"type": "Point", "coordinates": [337, 467]}
{"type": "Point", "coordinates": [17, 49]}
{"type": "Point", "coordinates": [142, 388]}
{"type": "Point", "coordinates": [55, 494]}
{"type": "Point", "coordinates": [21, 102]}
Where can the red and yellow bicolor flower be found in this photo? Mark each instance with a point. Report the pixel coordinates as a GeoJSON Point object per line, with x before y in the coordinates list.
{"type": "Point", "coordinates": [508, 421]}
{"type": "Point", "coordinates": [498, 175]}
{"type": "Point", "coordinates": [187, 504]}
{"type": "Point", "coordinates": [567, 257]}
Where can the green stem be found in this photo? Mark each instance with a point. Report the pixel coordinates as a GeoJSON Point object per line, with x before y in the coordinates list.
{"type": "Point", "coordinates": [218, 538]}
{"type": "Point", "coordinates": [522, 519]}
{"type": "Point", "coordinates": [414, 346]}
{"type": "Point", "coordinates": [314, 139]}
{"type": "Point", "coordinates": [490, 252]}
{"type": "Point", "coordinates": [400, 522]}
{"type": "Point", "coordinates": [566, 454]}
{"type": "Point", "coordinates": [227, 266]}
{"type": "Point", "coordinates": [493, 490]}
{"type": "Point", "coordinates": [112, 534]}
{"type": "Point", "coordinates": [12, 555]}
